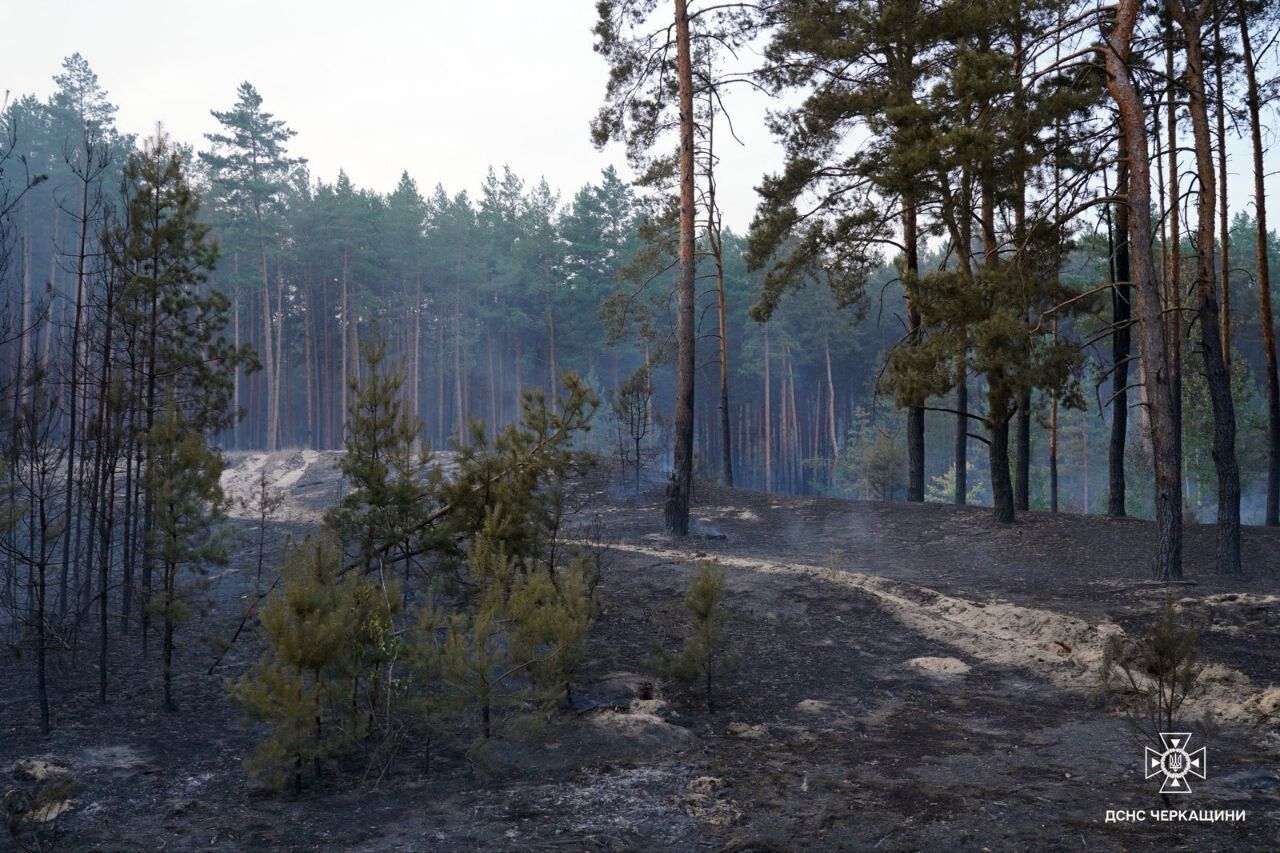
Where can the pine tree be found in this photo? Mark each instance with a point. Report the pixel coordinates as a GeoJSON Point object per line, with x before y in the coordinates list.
{"type": "Point", "coordinates": [1147, 294]}
{"type": "Point", "coordinates": [329, 635]}
{"type": "Point", "coordinates": [389, 495]}
{"type": "Point", "coordinates": [249, 170]}
{"type": "Point", "coordinates": [865, 65]}
{"type": "Point", "coordinates": [163, 254]}
{"type": "Point", "coordinates": [702, 657]}
{"type": "Point", "coordinates": [182, 484]}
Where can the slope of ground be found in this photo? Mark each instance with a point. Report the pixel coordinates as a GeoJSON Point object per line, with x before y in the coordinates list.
{"type": "Point", "coordinates": [901, 688]}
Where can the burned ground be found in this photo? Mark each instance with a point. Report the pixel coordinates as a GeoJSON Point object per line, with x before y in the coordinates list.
{"type": "Point", "coordinates": [852, 723]}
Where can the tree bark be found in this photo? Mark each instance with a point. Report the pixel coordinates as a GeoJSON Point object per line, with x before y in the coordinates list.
{"type": "Point", "coordinates": [1121, 312]}
{"type": "Point", "coordinates": [831, 411]}
{"type": "Point", "coordinates": [1266, 316]}
{"type": "Point", "coordinates": [1053, 439]}
{"type": "Point", "coordinates": [768, 417]}
{"type": "Point", "coordinates": [915, 414]}
{"type": "Point", "coordinates": [1219, 382]}
{"type": "Point", "coordinates": [1001, 484]}
{"type": "Point", "coordinates": [1155, 364]}
{"type": "Point", "coordinates": [268, 364]}
{"type": "Point", "coordinates": [677, 503]}
{"type": "Point", "coordinates": [1224, 232]}
{"type": "Point", "coordinates": [961, 438]}
{"type": "Point", "coordinates": [1173, 248]}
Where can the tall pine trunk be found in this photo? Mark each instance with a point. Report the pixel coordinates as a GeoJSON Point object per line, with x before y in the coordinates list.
{"type": "Point", "coordinates": [1001, 483]}
{"type": "Point", "coordinates": [677, 504]}
{"type": "Point", "coordinates": [1155, 360]}
{"type": "Point", "coordinates": [1224, 231]}
{"type": "Point", "coordinates": [268, 363]}
{"type": "Point", "coordinates": [1219, 382]}
{"type": "Point", "coordinates": [1121, 346]}
{"type": "Point", "coordinates": [1173, 248]}
{"type": "Point", "coordinates": [915, 414]}
{"type": "Point", "coordinates": [1265, 313]}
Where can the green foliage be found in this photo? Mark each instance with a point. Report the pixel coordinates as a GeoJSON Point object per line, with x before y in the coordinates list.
{"type": "Point", "coordinates": [389, 494]}
{"type": "Point", "coordinates": [182, 479]}
{"type": "Point", "coordinates": [249, 167]}
{"type": "Point", "coordinates": [502, 647]}
{"type": "Point", "coordinates": [632, 417]}
{"type": "Point", "coordinates": [702, 657]}
{"type": "Point", "coordinates": [1197, 430]}
{"type": "Point", "coordinates": [1154, 675]}
{"type": "Point", "coordinates": [551, 610]}
{"type": "Point", "coordinates": [164, 254]}
{"type": "Point", "coordinates": [873, 461]}
{"type": "Point", "coordinates": [505, 658]}
{"type": "Point", "coordinates": [328, 668]}
{"type": "Point", "coordinates": [505, 485]}
{"type": "Point", "coordinates": [942, 488]}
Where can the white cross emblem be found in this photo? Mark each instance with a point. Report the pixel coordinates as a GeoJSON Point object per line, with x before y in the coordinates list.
{"type": "Point", "coordinates": [1175, 763]}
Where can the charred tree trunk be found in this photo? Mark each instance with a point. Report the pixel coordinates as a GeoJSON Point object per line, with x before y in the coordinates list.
{"type": "Point", "coordinates": [1265, 313]}
{"type": "Point", "coordinates": [915, 414]}
{"type": "Point", "coordinates": [1121, 312]}
{"type": "Point", "coordinates": [1219, 382]}
{"type": "Point", "coordinates": [1001, 483]}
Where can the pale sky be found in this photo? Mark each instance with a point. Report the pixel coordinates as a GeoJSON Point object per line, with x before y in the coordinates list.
{"type": "Point", "coordinates": [442, 89]}
{"type": "Point", "coordinates": [375, 87]}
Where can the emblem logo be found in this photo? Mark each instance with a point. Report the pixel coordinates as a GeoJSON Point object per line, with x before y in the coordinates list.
{"type": "Point", "coordinates": [1175, 763]}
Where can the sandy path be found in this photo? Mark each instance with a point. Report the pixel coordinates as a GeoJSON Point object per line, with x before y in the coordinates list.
{"type": "Point", "coordinates": [1062, 649]}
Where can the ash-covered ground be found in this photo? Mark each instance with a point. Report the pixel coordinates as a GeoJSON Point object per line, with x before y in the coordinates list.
{"type": "Point", "coordinates": [912, 677]}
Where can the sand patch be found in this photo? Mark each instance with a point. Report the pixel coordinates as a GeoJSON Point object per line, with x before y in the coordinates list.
{"type": "Point", "coordinates": [1062, 649]}
{"type": "Point", "coordinates": [939, 666]}
{"type": "Point", "coordinates": [36, 769]}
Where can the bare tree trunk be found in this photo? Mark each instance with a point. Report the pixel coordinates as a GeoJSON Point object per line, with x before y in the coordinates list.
{"type": "Point", "coordinates": [235, 375]}
{"type": "Point", "coordinates": [1053, 438]}
{"type": "Point", "coordinates": [345, 313]}
{"type": "Point", "coordinates": [1219, 382]}
{"type": "Point", "coordinates": [831, 410]}
{"type": "Point", "coordinates": [794, 432]}
{"type": "Point", "coordinates": [960, 460]}
{"type": "Point", "coordinates": [277, 436]}
{"type": "Point", "coordinates": [1084, 464]}
{"type": "Point", "coordinates": [717, 254]}
{"type": "Point", "coordinates": [1224, 232]}
{"type": "Point", "coordinates": [1001, 483]}
{"type": "Point", "coordinates": [1121, 311]}
{"type": "Point", "coordinates": [1155, 362]}
{"type": "Point", "coordinates": [459, 413]}
{"type": "Point", "coordinates": [915, 414]}
{"type": "Point", "coordinates": [268, 364]}
{"type": "Point", "coordinates": [72, 503]}
{"type": "Point", "coordinates": [1265, 313]}
{"type": "Point", "coordinates": [677, 504]}
{"type": "Point", "coordinates": [308, 354]}
{"type": "Point", "coordinates": [726, 433]}
{"type": "Point", "coordinates": [1173, 282]}
{"type": "Point", "coordinates": [441, 433]}
{"type": "Point", "coordinates": [768, 417]}
{"type": "Point", "coordinates": [1022, 438]}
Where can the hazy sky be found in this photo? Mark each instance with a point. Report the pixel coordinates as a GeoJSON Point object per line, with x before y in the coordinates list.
{"type": "Point", "coordinates": [442, 89]}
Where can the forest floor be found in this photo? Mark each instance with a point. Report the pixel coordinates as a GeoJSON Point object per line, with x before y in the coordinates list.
{"type": "Point", "coordinates": [913, 677]}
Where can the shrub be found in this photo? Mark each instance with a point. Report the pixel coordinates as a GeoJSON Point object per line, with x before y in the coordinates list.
{"type": "Point", "coordinates": [702, 657]}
